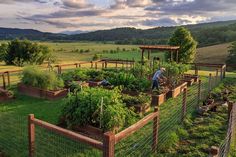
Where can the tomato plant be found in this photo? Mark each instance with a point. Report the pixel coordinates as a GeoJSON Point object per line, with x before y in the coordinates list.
{"type": "Point", "coordinates": [98, 107]}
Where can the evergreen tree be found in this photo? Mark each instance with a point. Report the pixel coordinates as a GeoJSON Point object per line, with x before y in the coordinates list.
{"type": "Point", "coordinates": [232, 54]}
{"type": "Point", "coordinates": [183, 38]}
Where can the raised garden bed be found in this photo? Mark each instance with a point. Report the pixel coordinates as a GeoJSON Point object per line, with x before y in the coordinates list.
{"type": "Point", "coordinates": [177, 90]}
{"type": "Point", "coordinates": [158, 99]}
{"type": "Point", "coordinates": [90, 131]}
{"type": "Point", "coordinates": [195, 77]}
{"type": "Point", "coordinates": [189, 80]}
{"type": "Point", "coordinates": [41, 93]}
{"type": "Point", "coordinates": [5, 95]}
{"type": "Point", "coordinates": [94, 83]}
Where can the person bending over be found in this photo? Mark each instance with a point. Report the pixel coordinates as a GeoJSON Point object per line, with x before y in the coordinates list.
{"type": "Point", "coordinates": [158, 76]}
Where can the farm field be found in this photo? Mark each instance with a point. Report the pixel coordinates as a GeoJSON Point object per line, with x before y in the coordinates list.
{"type": "Point", "coordinates": [71, 52]}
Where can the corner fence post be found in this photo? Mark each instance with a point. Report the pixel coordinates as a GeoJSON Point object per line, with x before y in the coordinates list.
{"type": "Point", "coordinates": [199, 91]}
{"type": "Point", "coordinates": [184, 107]}
{"type": "Point", "coordinates": [221, 73]}
{"type": "Point", "coordinates": [109, 144]}
{"type": "Point", "coordinates": [31, 135]}
{"type": "Point", "coordinates": [210, 82]}
{"type": "Point", "coordinates": [155, 130]}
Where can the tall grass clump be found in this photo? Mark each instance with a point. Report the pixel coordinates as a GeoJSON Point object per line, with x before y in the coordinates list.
{"type": "Point", "coordinates": [48, 80]}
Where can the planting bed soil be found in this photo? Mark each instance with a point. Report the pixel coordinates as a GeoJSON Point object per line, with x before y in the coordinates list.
{"type": "Point", "coordinates": [5, 95]}
{"type": "Point", "coordinates": [177, 90]}
{"type": "Point", "coordinates": [41, 93]}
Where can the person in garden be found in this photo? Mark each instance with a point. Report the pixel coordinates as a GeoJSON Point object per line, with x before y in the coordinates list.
{"type": "Point", "coordinates": [157, 78]}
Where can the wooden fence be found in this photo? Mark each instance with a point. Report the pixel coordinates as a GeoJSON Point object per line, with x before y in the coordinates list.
{"type": "Point", "coordinates": [109, 139]}
{"type": "Point", "coordinates": [127, 64]}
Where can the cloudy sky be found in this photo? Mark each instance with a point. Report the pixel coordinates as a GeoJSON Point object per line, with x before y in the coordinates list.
{"type": "Point", "coordinates": [89, 15]}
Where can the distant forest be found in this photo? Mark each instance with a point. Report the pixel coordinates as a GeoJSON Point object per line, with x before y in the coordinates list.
{"type": "Point", "coordinates": [206, 34]}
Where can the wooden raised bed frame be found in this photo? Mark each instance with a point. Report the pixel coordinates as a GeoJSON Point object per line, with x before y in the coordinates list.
{"type": "Point", "coordinates": [176, 91]}
{"type": "Point", "coordinates": [5, 95]}
{"type": "Point", "coordinates": [41, 93]}
{"type": "Point", "coordinates": [94, 83]}
{"type": "Point", "coordinates": [158, 99]}
{"type": "Point", "coordinates": [189, 80]}
{"type": "Point", "coordinates": [141, 109]}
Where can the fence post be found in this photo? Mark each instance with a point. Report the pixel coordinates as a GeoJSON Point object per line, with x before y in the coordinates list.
{"type": "Point", "coordinates": [214, 151]}
{"type": "Point", "coordinates": [109, 144]}
{"type": "Point", "coordinates": [76, 65]}
{"type": "Point", "coordinates": [8, 78]}
{"type": "Point", "coordinates": [217, 74]}
{"type": "Point", "coordinates": [224, 71]}
{"type": "Point", "coordinates": [196, 70]}
{"type": "Point", "coordinates": [184, 102]}
{"type": "Point", "coordinates": [155, 130]}
{"type": "Point", "coordinates": [3, 81]}
{"type": "Point", "coordinates": [199, 91]}
{"type": "Point", "coordinates": [230, 107]}
{"type": "Point", "coordinates": [210, 82]}
{"type": "Point", "coordinates": [31, 135]}
{"type": "Point", "coordinates": [91, 64]}
{"type": "Point", "coordinates": [221, 73]}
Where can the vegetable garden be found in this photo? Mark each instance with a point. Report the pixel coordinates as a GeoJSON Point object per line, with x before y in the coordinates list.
{"type": "Point", "coordinates": [124, 108]}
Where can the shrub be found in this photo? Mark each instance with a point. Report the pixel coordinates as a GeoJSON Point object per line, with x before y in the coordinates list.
{"type": "Point", "coordinates": [48, 80]}
{"type": "Point", "coordinates": [20, 52]}
{"type": "Point", "coordinates": [85, 108]}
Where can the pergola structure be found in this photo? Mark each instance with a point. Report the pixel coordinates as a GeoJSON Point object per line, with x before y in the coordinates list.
{"type": "Point", "coordinates": [171, 49]}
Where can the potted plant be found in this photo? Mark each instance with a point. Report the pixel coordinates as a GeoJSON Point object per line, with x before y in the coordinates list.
{"type": "Point", "coordinates": [41, 84]}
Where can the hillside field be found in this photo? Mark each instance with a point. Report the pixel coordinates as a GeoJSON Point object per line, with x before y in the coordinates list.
{"type": "Point", "coordinates": [84, 51]}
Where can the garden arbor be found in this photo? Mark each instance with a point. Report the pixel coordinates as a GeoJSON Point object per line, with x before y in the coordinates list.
{"type": "Point", "coordinates": [171, 49]}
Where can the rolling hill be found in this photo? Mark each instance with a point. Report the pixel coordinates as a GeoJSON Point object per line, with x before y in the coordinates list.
{"type": "Point", "coordinates": [206, 34]}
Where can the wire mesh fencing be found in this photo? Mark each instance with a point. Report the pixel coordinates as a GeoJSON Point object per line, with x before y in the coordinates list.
{"type": "Point", "coordinates": [13, 135]}
{"type": "Point", "coordinates": [51, 144]}
{"type": "Point", "coordinates": [229, 141]}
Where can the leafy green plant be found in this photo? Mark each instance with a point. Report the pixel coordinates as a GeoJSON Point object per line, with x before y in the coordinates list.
{"type": "Point", "coordinates": [35, 77]}
{"type": "Point", "coordinates": [98, 107]}
{"type": "Point", "coordinates": [135, 100]}
{"type": "Point", "coordinates": [174, 72]}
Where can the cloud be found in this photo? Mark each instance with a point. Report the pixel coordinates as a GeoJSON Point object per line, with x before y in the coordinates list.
{"type": "Point", "coordinates": [68, 14]}
{"type": "Point", "coordinates": [121, 4]}
{"type": "Point", "coordinates": [190, 7]}
{"type": "Point", "coordinates": [76, 4]}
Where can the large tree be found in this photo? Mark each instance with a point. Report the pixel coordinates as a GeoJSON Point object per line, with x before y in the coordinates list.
{"type": "Point", "coordinates": [232, 54]}
{"type": "Point", "coordinates": [183, 38]}
{"type": "Point", "coordinates": [20, 52]}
